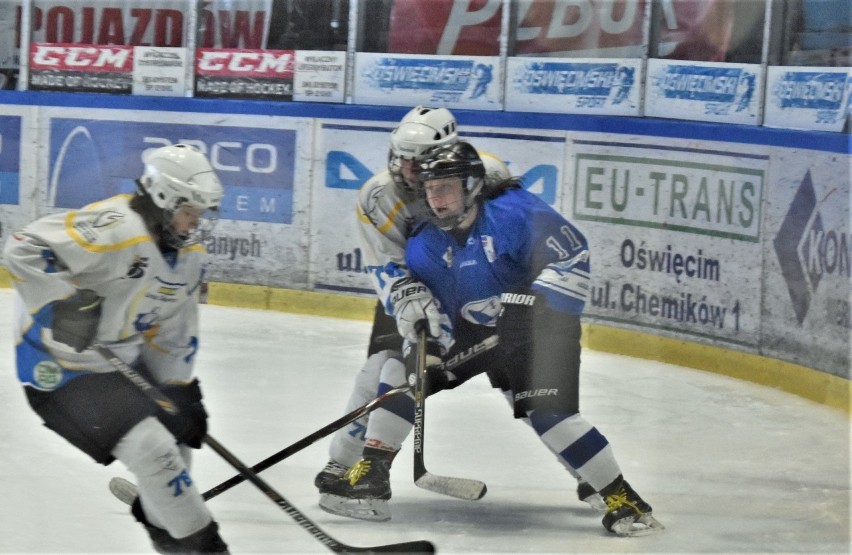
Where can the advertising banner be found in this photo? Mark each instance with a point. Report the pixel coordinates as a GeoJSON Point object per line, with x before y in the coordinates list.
{"type": "Point", "coordinates": [703, 91]}
{"type": "Point", "coordinates": [320, 76]}
{"type": "Point", "coordinates": [223, 23]}
{"type": "Point", "coordinates": [260, 237]}
{"type": "Point", "coordinates": [577, 86]}
{"type": "Point", "coordinates": [308, 76]}
{"type": "Point", "coordinates": [350, 153]}
{"type": "Point", "coordinates": [230, 73]}
{"type": "Point", "coordinates": [806, 305]}
{"type": "Point", "coordinates": [159, 71]}
{"type": "Point", "coordinates": [408, 80]}
{"type": "Point", "coordinates": [807, 97]}
{"type": "Point", "coordinates": [81, 68]}
{"type": "Point", "coordinates": [675, 235]}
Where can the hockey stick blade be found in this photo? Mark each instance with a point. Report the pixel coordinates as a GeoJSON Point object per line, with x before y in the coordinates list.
{"type": "Point", "coordinates": [460, 488]}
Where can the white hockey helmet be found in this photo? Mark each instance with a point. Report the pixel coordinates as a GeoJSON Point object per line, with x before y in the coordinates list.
{"type": "Point", "coordinates": [175, 176]}
{"type": "Point", "coordinates": [419, 132]}
{"type": "Point", "coordinates": [178, 174]}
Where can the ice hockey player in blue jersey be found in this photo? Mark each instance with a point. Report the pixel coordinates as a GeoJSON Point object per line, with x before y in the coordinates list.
{"type": "Point", "coordinates": [500, 259]}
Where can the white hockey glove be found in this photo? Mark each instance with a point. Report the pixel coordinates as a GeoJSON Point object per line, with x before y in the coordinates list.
{"type": "Point", "coordinates": [412, 302]}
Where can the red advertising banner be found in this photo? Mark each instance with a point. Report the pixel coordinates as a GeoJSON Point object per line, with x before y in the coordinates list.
{"type": "Point", "coordinates": [244, 73]}
{"type": "Point", "coordinates": [81, 67]}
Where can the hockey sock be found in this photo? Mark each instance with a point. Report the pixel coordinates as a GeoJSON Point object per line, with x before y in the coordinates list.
{"type": "Point", "coordinates": [170, 499]}
{"type": "Point", "coordinates": [579, 444]}
{"type": "Point", "coordinates": [348, 442]}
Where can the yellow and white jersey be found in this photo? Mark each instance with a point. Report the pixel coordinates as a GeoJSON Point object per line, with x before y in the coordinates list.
{"type": "Point", "coordinates": [387, 215]}
{"type": "Point", "coordinates": [150, 307]}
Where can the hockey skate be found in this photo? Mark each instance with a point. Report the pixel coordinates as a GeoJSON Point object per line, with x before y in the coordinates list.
{"type": "Point", "coordinates": [332, 472]}
{"type": "Point", "coordinates": [362, 491]}
{"type": "Point", "coordinates": [627, 514]}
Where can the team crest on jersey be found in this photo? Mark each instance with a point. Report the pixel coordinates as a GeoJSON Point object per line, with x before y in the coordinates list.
{"type": "Point", "coordinates": [448, 257]}
{"type": "Point", "coordinates": [483, 312]}
{"type": "Point", "coordinates": [371, 206]}
{"type": "Point", "coordinates": [107, 218]}
{"type": "Point", "coordinates": [47, 374]}
{"type": "Point", "coordinates": [137, 268]}
{"type": "Point", "coordinates": [487, 242]}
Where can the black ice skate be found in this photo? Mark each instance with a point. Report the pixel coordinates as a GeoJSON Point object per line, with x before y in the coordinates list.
{"type": "Point", "coordinates": [331, 473]}
{"type": "Point", "coordinates": [363, 490]}
{"type": "Point", "coordinates": [627, 514]}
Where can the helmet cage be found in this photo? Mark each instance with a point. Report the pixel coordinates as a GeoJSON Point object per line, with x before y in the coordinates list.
{"type": "Point", "coordinates": [458, 160]}
{"type": "Point", "coordinates": [180, 176]}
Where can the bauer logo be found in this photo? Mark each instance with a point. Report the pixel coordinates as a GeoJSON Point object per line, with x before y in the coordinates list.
{"type": "Point", "coordinates": [93, 159]}
{"type": "Point", "coordinates": [806, 250]}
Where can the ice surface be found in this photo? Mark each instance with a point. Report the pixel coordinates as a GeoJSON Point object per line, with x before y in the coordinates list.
{"type": "Point", "coordinates": [729, 466]}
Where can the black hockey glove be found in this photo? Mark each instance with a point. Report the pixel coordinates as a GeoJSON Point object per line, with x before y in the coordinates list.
{"type": "Point", "coordinates": [189, 426]}
{"type": "Point", "coordinates": [522, 311]}
{"type": "Point", "coordinates": [75, 320]}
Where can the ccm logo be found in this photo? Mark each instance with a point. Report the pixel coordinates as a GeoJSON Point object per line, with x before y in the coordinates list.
{"type": "Point", "coordinates": [250, 61]}
{"type": "Point", "coordinates": [252, 157]}
{"type": "Point", "coordinates": [93, 57]}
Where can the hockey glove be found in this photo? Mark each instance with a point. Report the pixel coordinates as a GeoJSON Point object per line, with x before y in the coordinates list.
{"type": "Point", "coordinates": [189, 426]}
{"type": "Point", "coordinates": [412, 302]}
{"type": "Point", "coordinates": [519, 315]}
{"type": "Point", "coordinates": [75, 320]}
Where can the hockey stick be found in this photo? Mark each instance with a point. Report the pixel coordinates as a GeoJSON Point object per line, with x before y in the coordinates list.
{"type": "Point", "coordinates": [462, 488]}
{"type": "Point", "coordinates": [420, 546]}
{"type": "Point", "coordinates": [126, 491]}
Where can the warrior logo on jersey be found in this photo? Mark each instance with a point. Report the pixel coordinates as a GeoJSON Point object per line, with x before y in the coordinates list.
{"type": "Point", "coordinates": [137, 269]}
{"type": "Point", "coordinates": [483, 312]}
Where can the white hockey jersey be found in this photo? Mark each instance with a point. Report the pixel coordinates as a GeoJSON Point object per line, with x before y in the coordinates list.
{"type": "Point", "coordinates": [386, 217]}
{"type": "Point", "coordinates": [150, 307]}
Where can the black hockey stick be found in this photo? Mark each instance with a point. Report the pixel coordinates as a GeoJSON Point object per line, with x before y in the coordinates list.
{"type": "Point", "coordinates": [126, 491]}
{"type": "Point", "coordinates": [462, 488]}
{"type": "Point", "coordinates": [421, 546]}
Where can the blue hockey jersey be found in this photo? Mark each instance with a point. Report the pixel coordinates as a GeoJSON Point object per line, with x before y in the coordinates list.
{"type": "Point", "coordinates": [517, 241]}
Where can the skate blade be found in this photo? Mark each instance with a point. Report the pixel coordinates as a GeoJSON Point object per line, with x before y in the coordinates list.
{"type": "Point", "coordinates": [376, 510]}
{"type": "Point", "coordinates": [124, 490]}
{"type": "Point", "coordinates": [645, 525]}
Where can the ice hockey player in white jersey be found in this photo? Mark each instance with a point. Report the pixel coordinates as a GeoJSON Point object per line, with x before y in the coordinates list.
{"type": "Point", "coordinates": [387, 209]}
{"type": "Point", "coordinates": [125, 273]}
{"type": "Point", "coordinates": [499, 260]}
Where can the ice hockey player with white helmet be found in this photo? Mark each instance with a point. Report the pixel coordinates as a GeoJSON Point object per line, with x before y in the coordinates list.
{"type": "Point", "coordinates": [388, 208]}
{"type": "Point", "coordinates": [500, 260]}
{"type": "Point", "coordinates": [125, 273]}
